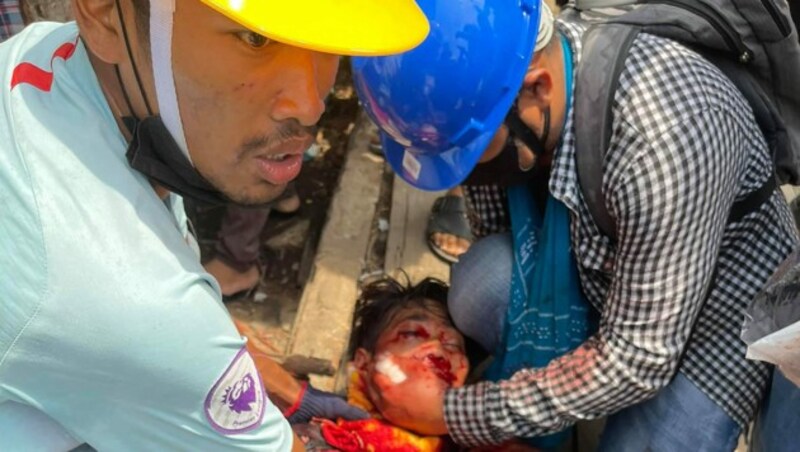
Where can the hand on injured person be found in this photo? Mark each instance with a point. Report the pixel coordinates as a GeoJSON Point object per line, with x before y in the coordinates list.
{"type": "Point", "coordinates": [304, 401]}
{"type": "Point", "coordinates": [407, 355]}
{"type": "Point", "coordinates": [405, 367]}
{"type": "Point", "coordinates": [314, 403]}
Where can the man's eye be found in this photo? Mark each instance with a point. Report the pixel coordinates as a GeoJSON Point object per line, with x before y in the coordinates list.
{"type": "Point", "coordinates": [254, 40]}
{"type": "Point", "coordinates": [407, 334]}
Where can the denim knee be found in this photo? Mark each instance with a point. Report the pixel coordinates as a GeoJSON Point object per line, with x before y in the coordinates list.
{"type": "Point", "coordinates": [479, 290]}
{"type": "Point", "coordinates": [778, 428]}
{"type": "Point", "coordinates": [679, 418]}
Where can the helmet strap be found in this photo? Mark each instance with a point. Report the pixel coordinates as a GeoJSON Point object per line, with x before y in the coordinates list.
{"type": "Point", "coordinates": [161, 49]}
{"type": "Point", "coordinates": [162, 14]}
{"type": "Point", "coordinates": [154, 150]}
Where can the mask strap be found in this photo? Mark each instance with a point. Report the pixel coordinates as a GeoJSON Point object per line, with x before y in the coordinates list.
{"type": "Point", "coordinates": [133, 64]}
{"type": "Point", "coordinates": [519, 130]}
{"type": "Point", "coordinates": [129, 121]}
{"type": "Point", "coordinates": [546, 126]}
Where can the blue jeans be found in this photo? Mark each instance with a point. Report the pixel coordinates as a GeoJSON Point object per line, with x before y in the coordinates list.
{"type": "Point", "coordinates": [679, 418]}
{"type": "Point", "coordinates": [480, 286]}
{"type": "Point", "coordinates": [778, 426]}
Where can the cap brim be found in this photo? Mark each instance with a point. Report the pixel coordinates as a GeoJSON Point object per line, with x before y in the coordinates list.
{"type": "Point", "coordinates": [434, 171]}
{"type": "Point", "coordinates": [342, 27]}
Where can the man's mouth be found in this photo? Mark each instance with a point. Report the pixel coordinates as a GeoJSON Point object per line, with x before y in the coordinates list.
{"type": "Point", "coordinates": [441, 368]}
{"type": "Point", "coordinates": [278, 158]}
{"type": "Point", "coordinates": [281, 164]}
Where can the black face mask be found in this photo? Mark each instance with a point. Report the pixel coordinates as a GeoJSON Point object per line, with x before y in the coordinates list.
{"type": "Point", "coordinates": [517, 129]}
{"type": "Point", "coordinates": [504, 170]}
{"type": "Point", "coordinates": [153, 150]}
{"type": "Point", "coordinates": [154, 153]}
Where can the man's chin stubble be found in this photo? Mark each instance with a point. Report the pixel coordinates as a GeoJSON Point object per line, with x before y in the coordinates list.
{"type": "Point", "coordinates": [254, 197]}
{"type": "Point", "coordinates": [258, 193]}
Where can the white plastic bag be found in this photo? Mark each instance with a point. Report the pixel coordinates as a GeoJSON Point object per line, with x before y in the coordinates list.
{"type": "Point", "coordinates": [772, 322]}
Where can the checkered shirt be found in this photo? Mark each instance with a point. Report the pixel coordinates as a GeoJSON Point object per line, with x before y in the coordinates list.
{"type": "Point", "coordinates": [487, 209]}
{"type": "Point", "coordinates": [673, 289]}
{"type": "Point", "coordinates": [10, 19]}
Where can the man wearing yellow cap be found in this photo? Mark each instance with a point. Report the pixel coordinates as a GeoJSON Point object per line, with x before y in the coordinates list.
{"type": "Point", "coordinates": [111, 332]}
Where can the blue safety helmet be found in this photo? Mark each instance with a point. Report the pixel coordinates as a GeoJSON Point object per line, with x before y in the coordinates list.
{"type": "Point", "coordinates": [438, 106]}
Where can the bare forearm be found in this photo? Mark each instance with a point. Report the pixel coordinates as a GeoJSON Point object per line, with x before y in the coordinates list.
{"type": "Point", "coordinates": [284, 390]}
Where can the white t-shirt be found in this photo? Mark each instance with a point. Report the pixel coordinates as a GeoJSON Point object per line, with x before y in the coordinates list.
{"type": "Point", "coordinates": [109, 326]}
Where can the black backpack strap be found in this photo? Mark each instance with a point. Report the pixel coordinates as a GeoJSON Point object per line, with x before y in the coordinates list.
{"type": "Point", "coordinates": [605, 48]}
{"type": "Point", "coordinates": [773, 128]}
{"type": "Point", "coordinates": [754, 200]}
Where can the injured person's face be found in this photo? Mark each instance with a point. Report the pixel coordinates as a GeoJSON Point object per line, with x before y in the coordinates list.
{"type": "Point", "coordinates": [418, 355]}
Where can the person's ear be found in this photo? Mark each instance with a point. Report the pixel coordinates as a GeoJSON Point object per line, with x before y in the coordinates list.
{"type": "Point", "coordinates": [98, 22]}
{"type": "Point", "coordinates": [537, 87]}
{"type": "Point", "coordinates": [362, 359]}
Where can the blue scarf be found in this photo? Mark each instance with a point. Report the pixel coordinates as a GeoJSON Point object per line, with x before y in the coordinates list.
{"type": "Point", "coordinates": [547, 314]}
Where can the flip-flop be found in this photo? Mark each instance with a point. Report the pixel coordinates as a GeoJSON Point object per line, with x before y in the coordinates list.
{"type": "Point", "coordinates": [240, 295]}
{"type": "Point", "coordinates": [448, 216]}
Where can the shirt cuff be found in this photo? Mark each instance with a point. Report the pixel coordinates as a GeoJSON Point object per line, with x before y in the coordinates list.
{"type": "Point", "coordinates": [468, 416]}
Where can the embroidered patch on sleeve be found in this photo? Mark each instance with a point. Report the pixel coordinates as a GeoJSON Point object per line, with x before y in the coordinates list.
{"type": "Point", "coordinates": [236, 402]}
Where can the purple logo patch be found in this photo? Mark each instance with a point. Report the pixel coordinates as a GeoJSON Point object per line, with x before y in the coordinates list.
{"type": "Point", "coordinates": [241, 395]}
{"type": "Point", "coordinates": [236, 402]}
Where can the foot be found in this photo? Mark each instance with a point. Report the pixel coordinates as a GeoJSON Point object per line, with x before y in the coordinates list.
{"type": "Point", "coordinates": [451, 244]}
{"type": "Point", "coordinates": [448, 231]}
{"type": "Point", "coordinates": [288, 205]}
{"type": "Point", "coordinates": [230, 280]}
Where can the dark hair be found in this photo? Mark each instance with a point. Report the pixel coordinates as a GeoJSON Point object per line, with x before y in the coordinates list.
{"type": "Point", "coordinates": [381, 300]}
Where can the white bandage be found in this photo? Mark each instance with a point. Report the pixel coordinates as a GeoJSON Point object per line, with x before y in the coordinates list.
{"type": "Point", "coordinates": [388, 367]}
{"type": "Point", "coordinates": [161, 21]}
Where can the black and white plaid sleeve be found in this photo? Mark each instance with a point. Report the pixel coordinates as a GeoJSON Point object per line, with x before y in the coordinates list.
{"type": "Point", "coordinates": [671, 203]}
{"type": "Point", "coordinates": [487, 208]}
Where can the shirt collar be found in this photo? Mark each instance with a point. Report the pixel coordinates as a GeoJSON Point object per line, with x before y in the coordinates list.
{"type": "Point", "coordinates": [563, 176]}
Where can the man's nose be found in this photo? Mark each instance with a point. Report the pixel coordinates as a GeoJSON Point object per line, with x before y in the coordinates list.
{"type": "Point", "coordinates": [307, 77]}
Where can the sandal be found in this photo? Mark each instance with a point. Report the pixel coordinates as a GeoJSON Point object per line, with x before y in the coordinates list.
{"type": "Point", "coordinates": [448, 216]}
{"type": "Point", "coordinates": [250, 291]}
{"type": "Point", "coordinates": [241, 295]}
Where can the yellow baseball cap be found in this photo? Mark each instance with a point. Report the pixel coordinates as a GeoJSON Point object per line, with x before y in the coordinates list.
{"type": "Point", "coordinates": [342, 27]}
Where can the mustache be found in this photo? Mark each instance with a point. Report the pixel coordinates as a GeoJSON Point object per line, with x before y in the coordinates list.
{"type": "Point", "coordinates": [287, 130]}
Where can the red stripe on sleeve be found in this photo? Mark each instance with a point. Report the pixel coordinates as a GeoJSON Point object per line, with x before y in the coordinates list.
{"type": "Point", "coordinates": [30, 74]}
